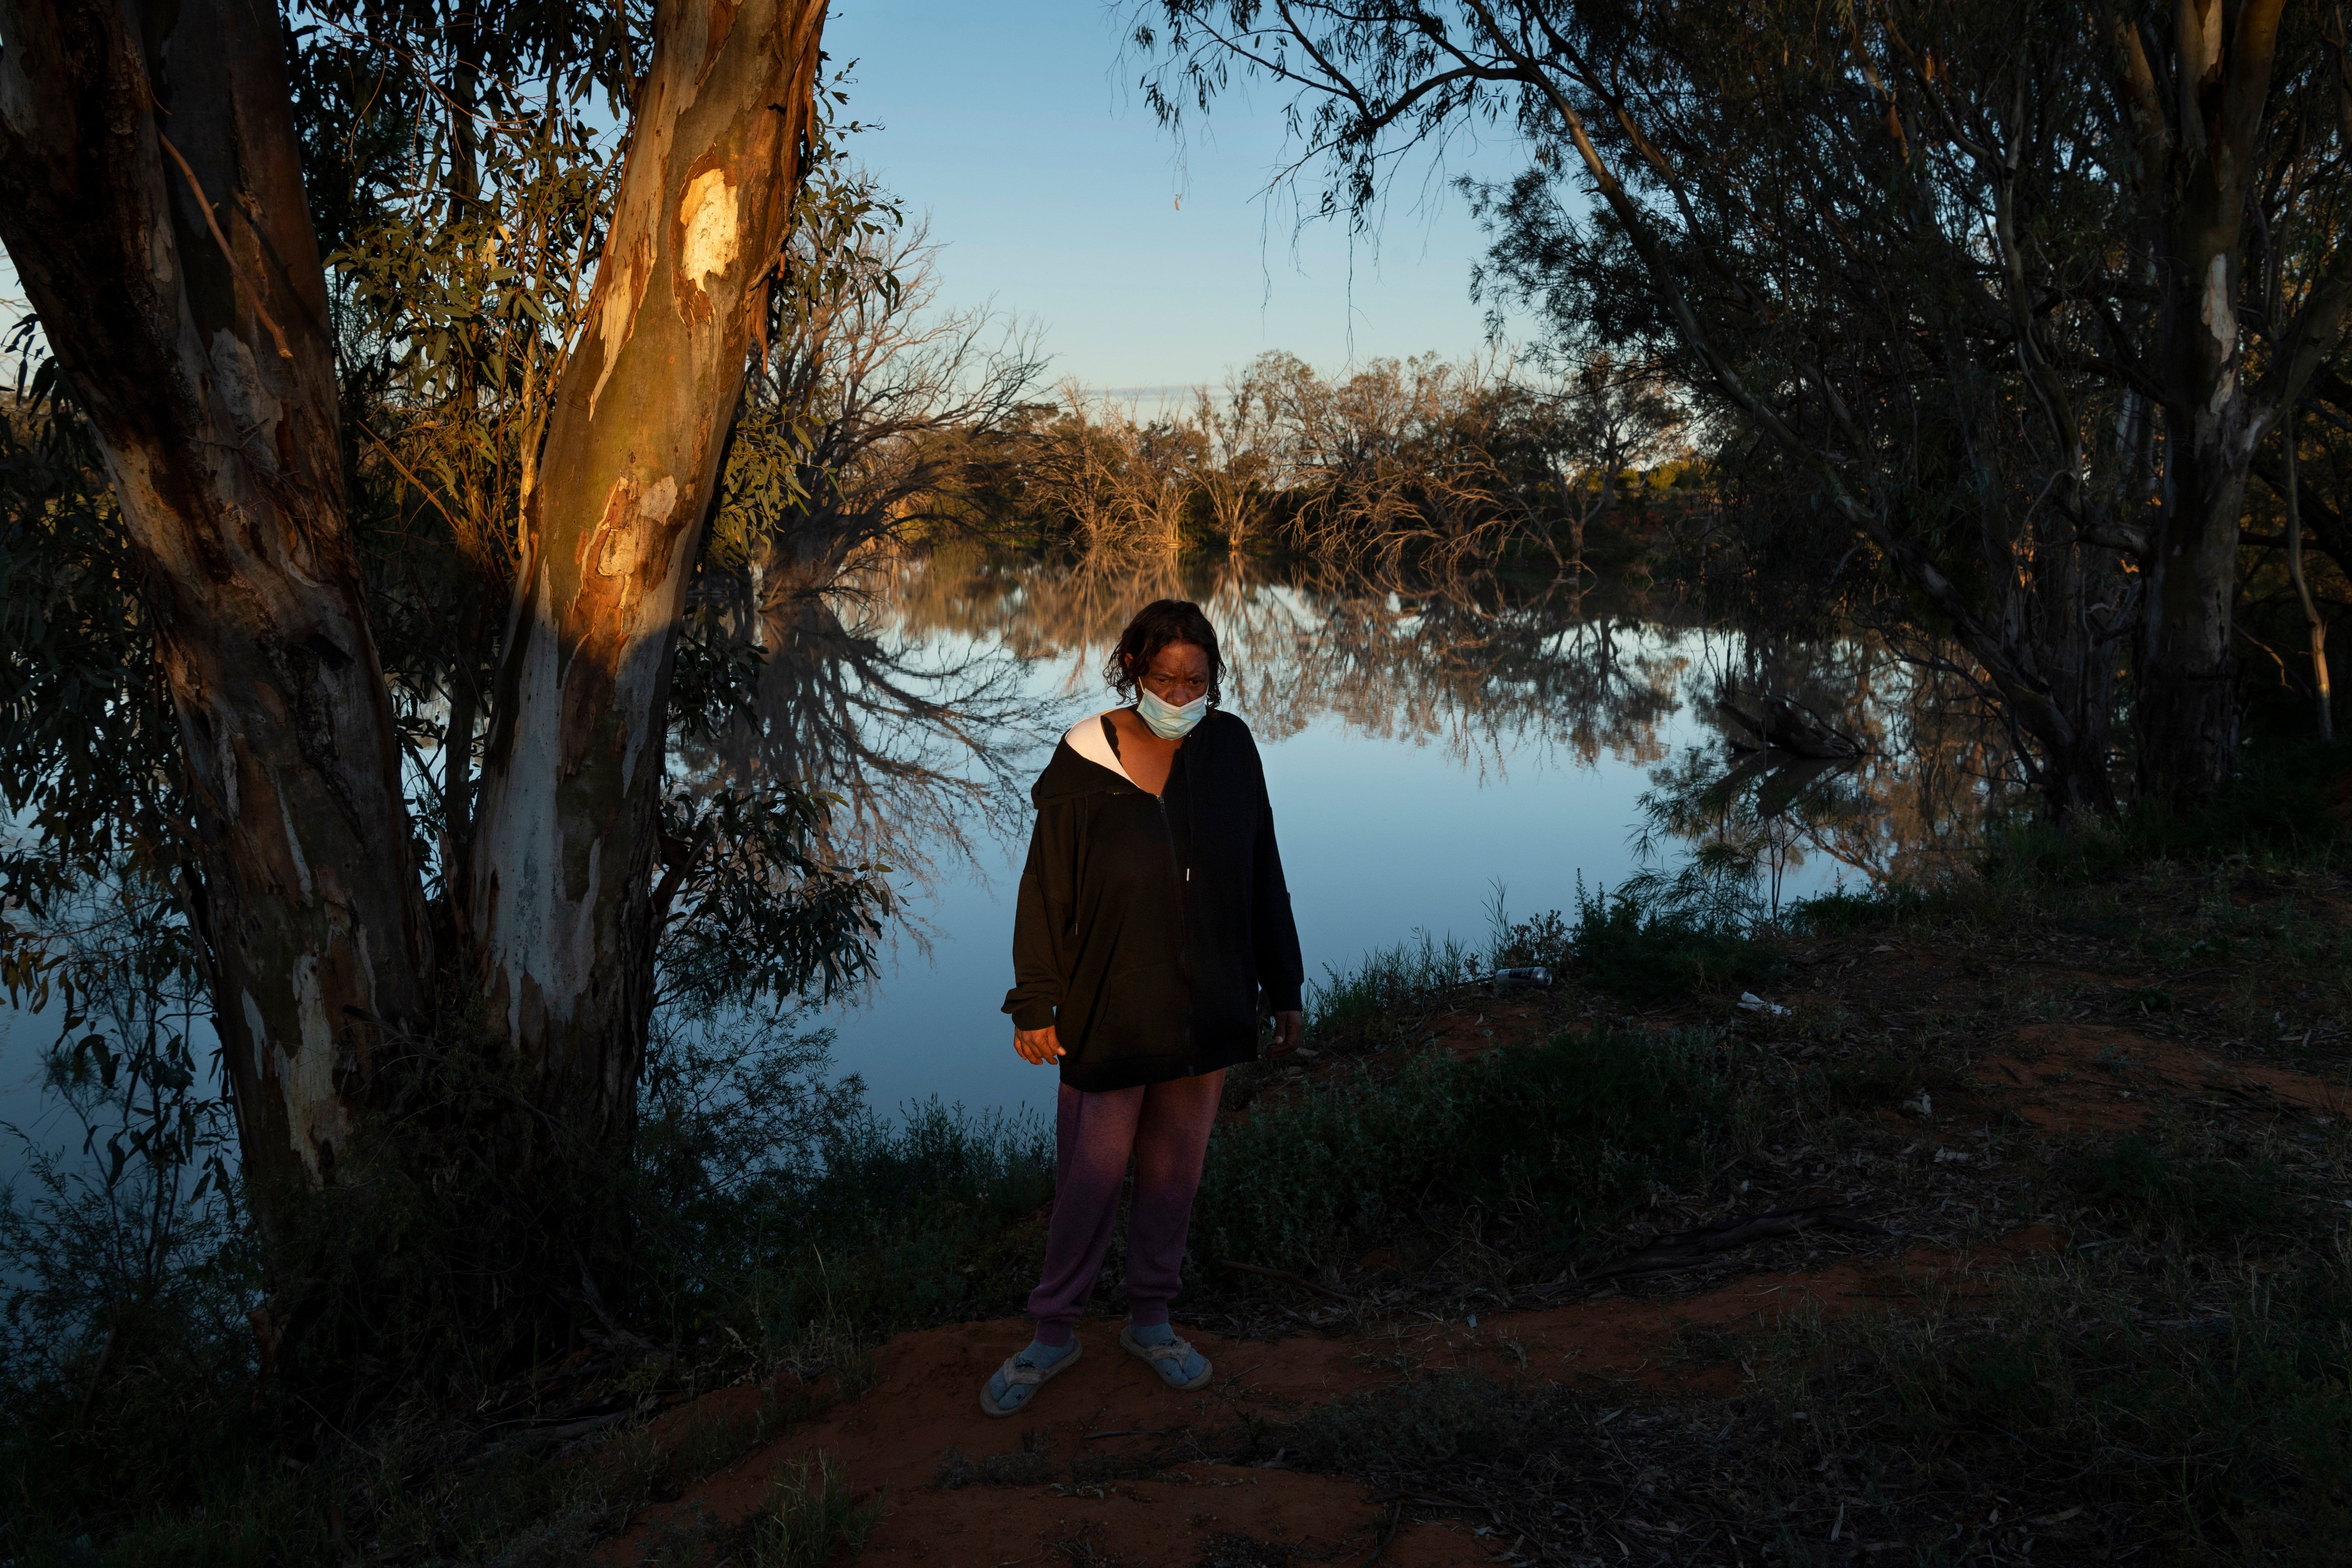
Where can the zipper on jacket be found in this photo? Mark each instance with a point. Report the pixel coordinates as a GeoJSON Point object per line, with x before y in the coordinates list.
{"type": "Point", "coordinates": [1183, 875]}
{"type": "Point", "coordinates": [1167, 826]}
{"type": "Point", "coordinates": [1184, 872]}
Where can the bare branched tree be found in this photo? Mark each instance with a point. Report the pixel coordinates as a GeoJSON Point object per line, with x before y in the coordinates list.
{"type": "Point", "coordinates": [1118, 482]}
{"type": "Point", "coordinates": [1235, 458]}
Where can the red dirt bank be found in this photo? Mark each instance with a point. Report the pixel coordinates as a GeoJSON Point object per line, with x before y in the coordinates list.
{"type": "Point", "coordinates": [892, 1438]}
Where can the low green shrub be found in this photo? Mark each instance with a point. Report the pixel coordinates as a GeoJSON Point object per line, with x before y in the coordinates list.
{"type": "Point", "coordinates": [2091, 1427]}
{"type": "Point", "coordinates": [1652, 954]}
{"type": "Point", "coordinates": [896, 1226]}
{"type": "Point", "coordinates": [1542, 938]}
{"type": "Point", "coordinates": [2214, 1434]}
{"type": "Point", "coordinates": [1567, 1133]}
{"type": "Point", "coordinates": [1841, 912]}
{"type": "Point", "coordinates": [2285, 801]}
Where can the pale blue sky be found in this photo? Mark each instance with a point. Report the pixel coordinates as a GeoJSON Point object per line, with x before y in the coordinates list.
{"type": "Point", "coordinates": [1018, 127]}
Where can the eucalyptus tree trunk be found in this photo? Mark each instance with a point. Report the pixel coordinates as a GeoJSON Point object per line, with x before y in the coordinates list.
{"type": "Point", "coordinates": [2198, 161]}
{"type": "Point", "coordinates": [569, 833]}
{"type": "Point", "coordinates": [2201, 154]}
{"type": "Point", "coordinates": [150, 197]}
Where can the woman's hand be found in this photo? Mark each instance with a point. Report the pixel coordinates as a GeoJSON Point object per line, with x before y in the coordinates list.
{"type": "Point", "coordinates": [1040, 1048]}
{"type": "Point", "coordinates": [1288, 1029]}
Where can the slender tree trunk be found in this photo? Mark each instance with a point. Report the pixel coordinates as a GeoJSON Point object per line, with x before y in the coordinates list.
{"type": "Point", "coordinates": [2324, 699]}
{"type": "Point", "coordinates": [1602, 504]}
{"type": "Point", "coordinates": [2185, 704]}
{"type": "Point", "coordinates": [192, 330]}
{"type": "Point", "coordinates": [463, 694]}
{"type": "Point", "coordinates": [568, 835]}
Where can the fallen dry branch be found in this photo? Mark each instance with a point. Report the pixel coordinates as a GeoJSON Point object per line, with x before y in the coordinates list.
{"type": "Point", "coordinates": [1396, 1516]}
{"type": "Point", "coordinates": [1680, 1251]}
{"type": "Point", "coordinates": [1286, 1277]}
{"type": "Point", "coordinates": [549, 1436]}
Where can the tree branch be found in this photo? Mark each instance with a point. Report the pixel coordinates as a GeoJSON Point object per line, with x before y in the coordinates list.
{"type": "Point", "coordinates": [252, 294]}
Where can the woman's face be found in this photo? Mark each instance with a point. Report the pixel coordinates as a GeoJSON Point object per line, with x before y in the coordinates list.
{"type": "Point", "coordinates": [1178, 674]}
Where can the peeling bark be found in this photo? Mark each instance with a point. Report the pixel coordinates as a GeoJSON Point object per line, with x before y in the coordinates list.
{"type": "Point", "coordinates": [567, 840]}
{"type": "Point", "coordinates": [197, 343]}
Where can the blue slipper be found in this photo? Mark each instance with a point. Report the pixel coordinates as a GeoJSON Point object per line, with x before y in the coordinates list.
{"type": "Point", "coordinates": [1017, 1382]}
{"type": "Point", "coordinates": [1180, 1366]}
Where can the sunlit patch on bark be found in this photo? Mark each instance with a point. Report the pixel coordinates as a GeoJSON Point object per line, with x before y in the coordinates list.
{"type": "Point", "coordinates": [519, 835]}
{"type": "Point", "coordinates": [709, 238]}
{"type": "Point", "coordinates": [625, 540]}
{"type": "Point", "coordinates": [316, 1115]}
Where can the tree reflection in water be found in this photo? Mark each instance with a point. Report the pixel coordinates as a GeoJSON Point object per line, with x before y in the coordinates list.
{"type": "Point", "coordinates": [926, 740]}
{"type": "Point", "coordinates": [1724, 825]}
{"type": "Point", "coordinates": [1485, 665]}
{"type": "Point", "coordinates": [906, 685]}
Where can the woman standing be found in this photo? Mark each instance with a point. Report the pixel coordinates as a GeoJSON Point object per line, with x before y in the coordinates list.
{"type": "Point", "coordinates": [1152, 914]}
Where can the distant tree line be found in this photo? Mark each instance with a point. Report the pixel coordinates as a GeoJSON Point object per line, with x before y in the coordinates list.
{"type": "Point", "coordinates": [1422, 464]}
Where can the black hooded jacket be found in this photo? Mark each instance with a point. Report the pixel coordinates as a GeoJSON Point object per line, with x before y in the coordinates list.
{"type": "Point", "coordinates": [1147, 924]}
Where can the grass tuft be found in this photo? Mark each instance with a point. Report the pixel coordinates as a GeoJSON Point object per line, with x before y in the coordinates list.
{"type": "Point", "coordinates": [811, 1513]}
{"type": "Point", "coordinates": [1369, 1004]}
{"type": "Point", "coordinates": [2164, 1191]}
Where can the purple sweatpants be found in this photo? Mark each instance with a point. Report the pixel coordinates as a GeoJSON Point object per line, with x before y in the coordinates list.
{"type": "Point", "coordinates": [1165, 1126]}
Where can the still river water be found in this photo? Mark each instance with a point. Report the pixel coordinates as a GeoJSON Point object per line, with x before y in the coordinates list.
{"type": "Point", "coordinates": [1419, 749]}
{"type": "Point", "coordinates": [1422, 747]}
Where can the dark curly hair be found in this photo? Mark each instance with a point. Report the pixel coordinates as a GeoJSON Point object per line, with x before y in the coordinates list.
{"type": "Point", "coordinates": [1157, 624]}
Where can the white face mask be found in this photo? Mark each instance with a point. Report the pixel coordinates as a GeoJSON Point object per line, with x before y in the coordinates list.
{"type": "Point", "coordinates": [1167, 721]}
